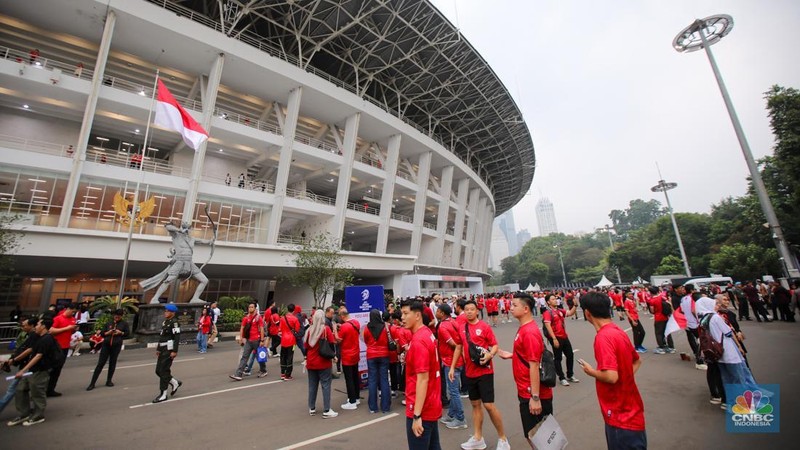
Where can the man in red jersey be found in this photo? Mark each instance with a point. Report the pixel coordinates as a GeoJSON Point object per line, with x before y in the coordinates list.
{"type": "Point", "coordinates": [535, 399]}
{"type": "Point", "coordinates": [556, 333]}
{"type": "Point", "coordinates": [616, 297]}
{"type": "Point", "coordinates": [480, 378]}
{"type": "Point", "coordinates": [450, 341]}
{"type": "Point", "coordinates": [423, 388]}
{"type": "Point", "coordinates": [481, 304]}
{"type": "Point", "coordinates": [64, 324]}
{"type": "Point", "coordinates": [633, 318]}
{"type": "Point", "coordinates": [251, 336]}
{"type": "Point", "coordinates": [349, 332]}
{"type": "Point", "coordinates": [492, 309]}
{"type": "Point", "coordinates": [656, 303]}
{"type": "Point", "coordinates": [617, 362]}
{"type": "Point", "coordinates": [289, 326]}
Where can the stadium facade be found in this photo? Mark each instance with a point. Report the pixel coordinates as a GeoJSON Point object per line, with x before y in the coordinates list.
{"type": "Point", "coordinates": [376, 122]}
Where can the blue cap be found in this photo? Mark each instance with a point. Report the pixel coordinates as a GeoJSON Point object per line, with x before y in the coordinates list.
{"type": "Point", "coordinates": [172, 308]}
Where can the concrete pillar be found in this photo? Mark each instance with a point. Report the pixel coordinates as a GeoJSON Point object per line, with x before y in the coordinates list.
{"type": "Point", "coordinates": [420, 201]}
{"type": "Point", "coordinates": [88, 119]}
{"type": "Point", "coordinates": [387, 194]}
{"type": "Point", "coordinates": [345, 173]}
{"type": "Point", "coordinates": [472, 223]}
{"type": "Point", "coordinates": [443, 213]}
{"type": "Point", "coordinates": [284, 164]}
{"type": "Point", "coordinates": [458, 233]}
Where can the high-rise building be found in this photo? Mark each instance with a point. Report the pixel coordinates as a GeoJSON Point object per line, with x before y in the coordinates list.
{"type": "Point", "coordinates": [506, 222]}
{"type": "Point", "coordinates": [523, 237]}
{"type": "Point", "coordinates": [498, 247]}
{"type": "Point", "coordinates": [546, 217]}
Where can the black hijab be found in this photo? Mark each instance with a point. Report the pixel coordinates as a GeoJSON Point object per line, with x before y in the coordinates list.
{"type": "Point", "coordinates": [375, 324]}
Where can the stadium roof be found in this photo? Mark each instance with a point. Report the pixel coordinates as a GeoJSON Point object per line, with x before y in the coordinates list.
{"type": "Point", "coordinates": [407, 58]}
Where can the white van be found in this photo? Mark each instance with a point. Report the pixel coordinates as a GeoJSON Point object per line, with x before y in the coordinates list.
{"type": "Point", "coordinates": [698, 283]}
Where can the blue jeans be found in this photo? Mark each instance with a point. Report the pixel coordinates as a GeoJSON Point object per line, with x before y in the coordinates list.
{"type": "Point", "coordinates": [622, 439]}
{"type": "Point", "coordinates": [12, 389]}
{"type": "Point", "coordinates": [202, 342]}
{"type": "Point", "coordinates": [429, 439]}
{"type": "Point", "coordinates": [738, 374]}
{"type": "Point", "coordinates": [456, 410]}
{"type": "Point", "coordinates": [315, 377]}
{"type": "Point", "coordinates": [378, 369]}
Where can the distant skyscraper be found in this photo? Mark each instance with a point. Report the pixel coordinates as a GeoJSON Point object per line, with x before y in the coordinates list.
{"type": "Point", "coordinates": [506, 222]}
{"type": "Point", "coordinates": [546, 217]}
{"type": "Point", "coordinates": [498, 249]}
{"type": "Point", "coordinates": [523, 237]}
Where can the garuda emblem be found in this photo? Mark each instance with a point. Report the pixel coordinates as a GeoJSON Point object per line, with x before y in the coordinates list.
{"type": "Point", "coordinates": [123, 208]}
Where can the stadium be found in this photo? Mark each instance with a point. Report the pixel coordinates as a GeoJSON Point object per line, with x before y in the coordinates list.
{"type": "Point", "coordinates": [374, 121]}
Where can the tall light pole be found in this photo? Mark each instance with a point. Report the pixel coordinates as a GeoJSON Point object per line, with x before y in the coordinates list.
{"type": "Point", "coordinates": [663, 186]}
{"type": "Point", "coordinates": [608, 229]}
{"type": "Point", "coordinates": [561, 258]}
{"type": "Point", "coordinates": [703, 34]}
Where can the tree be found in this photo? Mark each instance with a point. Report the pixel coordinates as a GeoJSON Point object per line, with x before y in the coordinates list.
{"type": "Point", "coordinates": [9, 243]}
{"type": "Point", "coordinates": [638, 215]}
{"type": "Point", "coordinates": [781, 172]}
{"type": "Point", "coordinates": [745, 261]}
{"type": "Point", "coordinates": [321, 267]}
{"type": "Point", "coordinates": [670, 265]}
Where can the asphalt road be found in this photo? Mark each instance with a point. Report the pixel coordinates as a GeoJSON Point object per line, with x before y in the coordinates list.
{"type": "Point", "coordinates": [211, 411]}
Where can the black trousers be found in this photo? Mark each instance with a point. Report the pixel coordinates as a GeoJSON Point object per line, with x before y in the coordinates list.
{"type": "Point", "coordinates": [287, 360]}
{"type": "Point", "coordinates": [351, 382]}
{"type": "Point", "coordinates": [55, 372]}
{"type": "Point", "coordinates": [759, 310]}
{"type": "Point", "coordinates": [107, 353]}
{"type": "Point", "coordinates": [274, 342]}
{"type": "Point", "coordinates": [692, 335]}
{"type": "Point", "coordinates": [394, 376]}
{"type": "Point", "coordinates": [638, 333]}
{"type": "Point", "coordinates": [564, 349]}
{"type": "Point", "coordinates": [164, 369]}
{"type": "Point", "coordinates": [744, 310]}
{"type": "Point", "coordinates": [714, 380]}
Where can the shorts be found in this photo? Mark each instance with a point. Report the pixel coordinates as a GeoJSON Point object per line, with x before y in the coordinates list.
{"type": "Point", "coordinates": [481, 388]}
{"type": "Point", "coordinates": [621, 309]}
{"type": "Point", "coordinates": [529, 421]}
{"type": "Point", "coordinates": [494, 313]}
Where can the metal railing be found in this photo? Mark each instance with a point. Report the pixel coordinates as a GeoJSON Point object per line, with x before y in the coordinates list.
{"type": "Point", "coordinates": [369, 160]}
{"type": "Point", "coordinates": [402, 218]}
{"type": "Point", "coordinates": [429, 225]}
{"type": "Point", "coordinates": [8, 332]}
{"type": "Point", "coordinates": [322, 145]}
{"type": "Point", "coordinates": [289, 239]}
{"type": "Point", "coordinates": [308, 195]}
{"type": "Point", "coordinates": [364, 208]}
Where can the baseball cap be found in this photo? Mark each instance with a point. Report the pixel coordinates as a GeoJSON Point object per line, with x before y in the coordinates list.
{"type": "Point", "coordinates": [445, 308]}
{"type": "Point", "coordinates": [171, 307]}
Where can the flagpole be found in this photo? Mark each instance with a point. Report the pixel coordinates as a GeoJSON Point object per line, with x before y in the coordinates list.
{"type": "Point", "coordinates": [135, 208]}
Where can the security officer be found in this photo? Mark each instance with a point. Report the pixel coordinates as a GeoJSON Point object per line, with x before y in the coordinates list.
{"type": "Point", "coordinates": [166, 351]}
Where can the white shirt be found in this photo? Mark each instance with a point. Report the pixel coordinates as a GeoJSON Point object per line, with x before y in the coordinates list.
{"type": "Point", "coordinates": [721, 332]}
{"type": "Point", "coordinates": [83, 317]}
{"type": "Point", "coordinates": [686, 308]}
{"type": "Point", "coordinates": [216, 314]}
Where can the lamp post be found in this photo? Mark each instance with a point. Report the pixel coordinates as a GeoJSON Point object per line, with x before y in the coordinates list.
{"type": "Point", "coordinates": [663, 186]}
{"type": "Point", "coordinates": [608, 228]}
{"type": "Point", "coordinates": [703, 33]}
{"type": "Point", "coordinates": [561, 258]}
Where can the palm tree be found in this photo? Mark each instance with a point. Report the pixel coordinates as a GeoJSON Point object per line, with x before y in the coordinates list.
{"type": "Point", "coordinates": [108, 304]}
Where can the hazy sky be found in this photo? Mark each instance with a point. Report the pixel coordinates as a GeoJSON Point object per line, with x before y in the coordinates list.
{"type": "Point", "coordinates": [605, 96]}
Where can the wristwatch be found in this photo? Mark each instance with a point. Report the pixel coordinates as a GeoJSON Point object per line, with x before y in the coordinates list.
{"type": "Point", "coordinates": [535, 398]}
{"type": "Point", "coordinates": [417, 416]}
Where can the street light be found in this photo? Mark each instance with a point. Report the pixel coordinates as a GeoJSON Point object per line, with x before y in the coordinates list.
{"type": "Point", "coordinates": [663, 186]}
{"type": "Point", "coordinates": [703, 34]}
{"type": "Point", "coordinates": [608, 229]}
{"type": "Point", "coordinates": [561, 258]}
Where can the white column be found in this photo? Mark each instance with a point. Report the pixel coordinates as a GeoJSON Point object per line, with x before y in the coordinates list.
{"type": "Point", "coordinates": [443, 214]}
{"type": "Point", "coordinates": [387, 195]}
{"type": "Point", "coordinates": [345, 173]}
{"type": "Point", "coordinates": [480, 229]}
{"type": "Point", "coordinates": [458, 233]}
{"type": "Point", "coordinates": [88, 120]}
{"type": "Point", "coordinates": [209, 103]}
{"type": "Point", "coordinates": [420, 200]}
{"type": "Point", "coordinates": [284, 163]}
{"type": "Point", "coordinates": [484, 242]}
{"type": "Point", "coordinates": [472, 223]}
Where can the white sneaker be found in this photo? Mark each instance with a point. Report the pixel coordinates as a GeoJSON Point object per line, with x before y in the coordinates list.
{"type": "Point", "coordinates": [701, 367]}
{"type": "Point", "coordinates": [564, 382]}
{"type": "Point", "coordinates": [502, 444]}
{"type": "Point", "coordinates": [715, 400]}
{"type": "Point", "coordinates": [329, 414]}
{"type": "Point", "coordinates": [474, 444]}
{"type": "Point", "coordinates": [573, 380]}
{"type": "Point", "coordinates": [349, 406]}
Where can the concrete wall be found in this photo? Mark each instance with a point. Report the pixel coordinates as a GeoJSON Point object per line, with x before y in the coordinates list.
{"type": "Point", "coordinates": [38, 127]}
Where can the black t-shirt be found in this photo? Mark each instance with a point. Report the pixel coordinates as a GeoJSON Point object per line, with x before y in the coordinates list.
{"type": "Point", "coordinates": [30, 342]}
{"type": "Point", "coordinates": [45, 345]}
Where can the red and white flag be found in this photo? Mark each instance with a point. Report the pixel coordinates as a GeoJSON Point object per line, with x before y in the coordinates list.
{"type": "Point", "coordinates": [171, 115]}
{"type": "Point", "coordinates": [676, 322]}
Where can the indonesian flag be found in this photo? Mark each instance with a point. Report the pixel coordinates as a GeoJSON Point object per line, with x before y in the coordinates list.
{"type": "Point", "coordinates": [677, 321]}
{"type": "Point", "coordinates": [170, 114]}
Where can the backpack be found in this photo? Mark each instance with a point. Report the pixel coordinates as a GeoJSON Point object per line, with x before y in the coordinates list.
{"type": "Point", "coordinates": [547, 368]}
{"type": "Point", "coordinates": [666, 307]}
{"type": "Point", "coordinates": [710, 350]}
{"type": "Point", "coordinates": [55, 356]}
{"type": "Point", "coordinates": [475, 352]}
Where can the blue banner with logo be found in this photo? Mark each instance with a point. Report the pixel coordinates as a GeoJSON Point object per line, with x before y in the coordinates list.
{"type": "Point", "coordinates": [361, 299]}
{"type": "Point", "coordinates": [753, 408]}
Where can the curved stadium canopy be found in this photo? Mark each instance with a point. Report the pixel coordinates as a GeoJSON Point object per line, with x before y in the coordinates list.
{"type": "Point", "coordinates": [404, 56]}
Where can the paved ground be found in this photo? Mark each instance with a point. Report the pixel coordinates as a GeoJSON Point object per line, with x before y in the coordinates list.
{"type": "Point", "coordinates": [212, 411]}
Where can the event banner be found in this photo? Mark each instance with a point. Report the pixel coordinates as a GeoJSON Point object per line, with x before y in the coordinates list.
{"type": "Point", "coordinates": [360, 300]}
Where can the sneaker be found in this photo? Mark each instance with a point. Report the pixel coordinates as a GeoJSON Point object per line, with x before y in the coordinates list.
{"type": "Point", "coordinates": [262, 374]}
{"type": "Point", "coordinates": [564, 382]}
{"type": "Point", "coordinates": [17, 420]}
{"type": "Point", "coordinates": [502, 444]}
{"type": "Point", "coordinates": [701, 367]}
{"type": "Point", "coordinates": [175, 388]}
{"type": "Point", "coordinates": [457, 425]}
{"type": "Point", "coordinates": [403, 401]}
{"type": "Point", "coordinates": [660, 351]}
{"type": "Point", "coordinates": [573, 380]}
{"type": "Point", "coordinates": [247, 373]}
{"type": "Point", "coordinates": [54, 394]}
{"type": "Point", "coordinates": [670, 350]}
{"type": "Point", "coordinates": [312, 412]}
{"type": "Point", "coordinates": [349, 406]}
{"type": "Point", "coordinates": [447, 419]}
{"type": "Point", "coordinates": [463, 395]}
{"type": "Point", "coordinates": [723, 407]}
{"type": "Point", "coordinates": [74, 354]}
{"type": "Point", "coordinates": [287, 378]}
{"type": "Point", "coordinates": [644, 349]}
{"type": "Point", "coordinates": [474, 444]}
{"type": "Point", "coordinates": [235, 377]}
{"type": "Point", "coordinates": [715, 400]}
{"type": "Point", "coordinates": [329, 414]}
{"type": "Point", "coordinates": [358, 402]}
{"type": "Point", "coordinates": [33, 421]}
{"type": "Point", "coordinates": [394, 394]}
{"type": "Point", "coordinates": [641, 350]}
{"type": "Point", "coordinates": [110, 384]}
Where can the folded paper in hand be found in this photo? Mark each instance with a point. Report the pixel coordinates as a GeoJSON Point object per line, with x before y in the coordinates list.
{"type": "Point", "coordinates": [548, 435]}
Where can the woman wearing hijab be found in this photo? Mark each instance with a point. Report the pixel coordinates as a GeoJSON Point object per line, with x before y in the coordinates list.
{"type": "Point", "coordinates": [377, 342]}
{"type": "Point", "coordinates": [319, 368]}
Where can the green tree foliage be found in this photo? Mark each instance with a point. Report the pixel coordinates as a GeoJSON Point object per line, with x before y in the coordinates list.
{"type": "Point", "coordinates": [638, 215]}
{"type": "Point", "coordinates": [781, 172]}
{"type": "Point", "coordinates": [538, 261]}
{"type": "Point", "coordinates": [320, 266]}
{"type": "Point", "coordinates": [745, 261]}
{"type": "Point", "coordinates": [232, 302]}
{"type": "Point", "coordinates": [669, 265]}
{"type": "Point", "coordinates": [9, 243]}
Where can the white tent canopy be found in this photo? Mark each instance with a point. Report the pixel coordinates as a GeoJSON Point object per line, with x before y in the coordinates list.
{"type": "Point", "coordinates": [529, 288]}
{"type": "Point", "coordinates": [536, 288]}
{"type": "Point", "coordinates": [604, 282]}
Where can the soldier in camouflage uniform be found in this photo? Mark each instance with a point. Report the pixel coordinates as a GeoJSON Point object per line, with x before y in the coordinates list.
{"type": "Point", "coordinates": [167, 350]}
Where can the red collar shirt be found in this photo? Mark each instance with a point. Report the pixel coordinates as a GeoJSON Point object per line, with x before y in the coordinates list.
{"type": "Point", "coordinates": [528, 346]}
{"type": "Point", "coordinates": [422, 358]}
{"type": "Point", "coordinates": [350, 345]}
{"type": "Point", "coordinates": [620, 403]}
{"type": "Point", "coordinates": [481, 334]}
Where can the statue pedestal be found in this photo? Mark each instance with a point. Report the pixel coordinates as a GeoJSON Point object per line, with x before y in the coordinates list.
{"type": "Point", "coordinates": [151, 318]}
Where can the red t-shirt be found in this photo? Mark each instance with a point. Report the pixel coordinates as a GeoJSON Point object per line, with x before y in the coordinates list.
{"type": "Point", "coordinates": [287, 334]}
{"type": "Point", "coordinates": [61, 321]}
{"type": "Point", "coordinates": [448, 329]}
{"type": "Point", "coordinates": [395, 332]}
{"type": "Point", "coordinates": [630, 308]}
{"type": "Point", "coordinates": [205, 324]}
{"type": "Point", "coordinates": [481, 302]}
{"type": "Point", "coordinates": [555, 317]}
{"type": "Point", "coordinates": [617, 298]}
{"type": "Point", "coordinates": [481, 335]}
{"type": "Point", "coordinates": [313, 359]}
{"type": "Point", "coordinates": [528, 346]}
{"type": "Point", "coordinates": [350, 346]}
{"type": "Point", "coordinates": [274, 325]}
{"type": "Point", "coordinates": [620, 403]}
{"type": "Point", "coordinates": [256, 323]}
{"type": "Point", "coordinates": [376, 348]}
{"type": "Point", "coordinates": [491, 305]}
{"type": "Point", "coordinates": [422, 358]}
{"type": "Point", "coordinates": [655, 306]}
{"type": "Point", "coordinates": [403, 338]}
